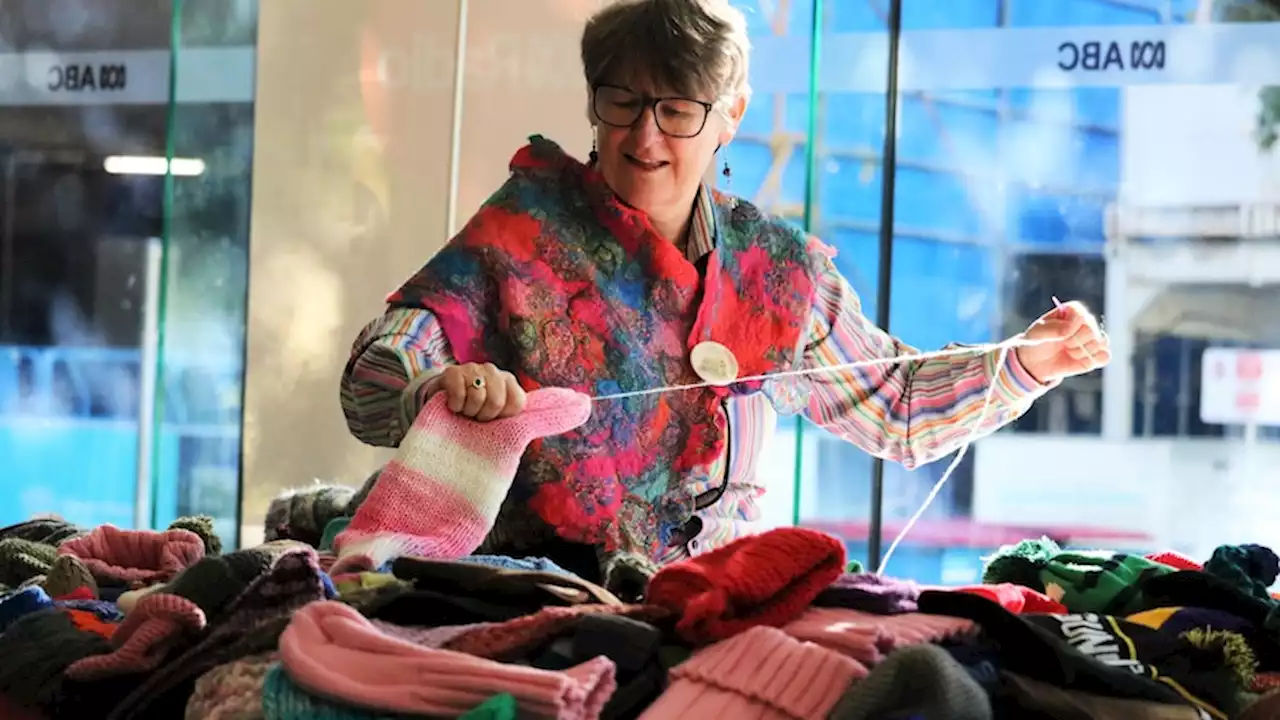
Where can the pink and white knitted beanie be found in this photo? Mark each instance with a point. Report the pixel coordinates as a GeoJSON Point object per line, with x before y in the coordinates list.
{"type": "Point", "coordinates": [440, 495]}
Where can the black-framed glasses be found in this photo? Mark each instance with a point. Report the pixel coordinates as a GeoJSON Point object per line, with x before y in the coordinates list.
{"type": "Point", "coordinates": [676, 116]}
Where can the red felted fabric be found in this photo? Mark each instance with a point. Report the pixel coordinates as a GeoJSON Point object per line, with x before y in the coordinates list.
{"type": "Point", "coordinates": [1015, 598]}
{"type": "Point", "coordinates": [767, 579]}
{"type": "Point", "coordinates": [1175, 560]}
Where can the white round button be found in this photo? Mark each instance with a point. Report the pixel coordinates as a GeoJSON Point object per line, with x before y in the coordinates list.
{"type": "Point", "coordinates": [714, 363]}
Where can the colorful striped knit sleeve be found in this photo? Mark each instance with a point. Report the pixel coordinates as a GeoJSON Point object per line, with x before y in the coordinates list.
{"type": "Point", "coordinates": [390, 374]}
{"type": "Point", "coordinates": [911, 412]}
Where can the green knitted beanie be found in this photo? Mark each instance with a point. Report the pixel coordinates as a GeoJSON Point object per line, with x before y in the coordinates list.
{"type": "Point", "coordinates": [201, 525]}
{"type": "Point", "coordinates": [22, 560]}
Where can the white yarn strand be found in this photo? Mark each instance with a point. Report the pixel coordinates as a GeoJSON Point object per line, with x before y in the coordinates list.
{"type": "Point", "coordinates": [1012, 343]}
{"type": "Point", "coordinates": [975, 431]}
{"type": "Point", "coordinates": [955, 462]}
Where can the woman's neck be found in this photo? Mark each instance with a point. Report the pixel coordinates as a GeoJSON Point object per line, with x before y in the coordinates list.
{"type": "Point", "coordinates": [674, 228]}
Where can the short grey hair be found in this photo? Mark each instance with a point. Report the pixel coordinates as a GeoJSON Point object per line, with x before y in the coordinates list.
{"type": "Point", "coordinates": [693, 47]}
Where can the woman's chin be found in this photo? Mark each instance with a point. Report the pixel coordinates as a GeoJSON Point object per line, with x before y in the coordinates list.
{"type": "Point", "coordinates": [639, 198]}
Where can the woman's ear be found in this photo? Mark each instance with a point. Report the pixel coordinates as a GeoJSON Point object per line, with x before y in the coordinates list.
{"type": "Point", "coordinates": [733, 118]}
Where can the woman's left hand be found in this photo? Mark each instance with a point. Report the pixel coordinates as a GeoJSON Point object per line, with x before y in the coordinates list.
{"type": "Point", "coordinates": [1069, 342]}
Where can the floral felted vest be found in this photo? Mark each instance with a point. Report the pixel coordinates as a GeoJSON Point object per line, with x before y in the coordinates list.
{"type": "Point", "coordinates": [558, 282]}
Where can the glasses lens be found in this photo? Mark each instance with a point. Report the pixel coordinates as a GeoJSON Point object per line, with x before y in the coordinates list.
{"type": "Point", "coordinates": [681, 118]}
{"type": "Point", "coordinates": [615, 106]}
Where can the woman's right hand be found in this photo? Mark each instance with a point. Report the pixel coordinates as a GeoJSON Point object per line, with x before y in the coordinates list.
{"type": "Point", "coordinates": [482, 392]}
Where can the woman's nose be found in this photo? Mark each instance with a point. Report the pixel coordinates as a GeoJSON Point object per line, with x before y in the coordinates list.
{"type": "Point", "coordinates": [645, 128]}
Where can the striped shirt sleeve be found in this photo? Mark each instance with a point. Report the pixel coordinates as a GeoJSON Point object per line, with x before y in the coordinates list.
{"type": "Point", "coordinates": [911, 412]}
{"type": "Point", "coordinates": [391, 373]}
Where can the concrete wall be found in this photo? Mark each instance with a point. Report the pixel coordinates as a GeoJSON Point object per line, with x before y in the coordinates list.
{"type": "Point", "coordinates": [352, 187]}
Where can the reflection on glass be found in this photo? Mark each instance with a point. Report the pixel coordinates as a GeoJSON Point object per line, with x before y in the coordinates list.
{"type": "Point", "coordinates": [201, 354]}
{"type": "Point", "coordinates": [767, 160]}
{"type": "Point", "coordinates": [90, 134]}
{"type": "Point", "coordinates": [1112, 152]}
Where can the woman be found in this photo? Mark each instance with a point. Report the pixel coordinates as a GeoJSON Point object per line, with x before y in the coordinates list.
{"type": "Point", "coordinates": [622, 274]}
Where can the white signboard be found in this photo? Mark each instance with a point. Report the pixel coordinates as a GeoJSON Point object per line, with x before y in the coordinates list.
{"type": "Point", "coordinates": [1045, 57]}
{"type": "Point", "coordinates": [135, 77]}
{"type": "Point", "coordinates": [1240, 387]}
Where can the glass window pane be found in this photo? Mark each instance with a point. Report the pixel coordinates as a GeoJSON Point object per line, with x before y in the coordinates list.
{"type": "Point", "coordinates": [1070, 181]}
{"type": "Point", "coordinates": [769, 163]}
{"type": "Point", "coordinates": [101, 256]}
{"type": "Point", "coordinates": [844, 206]}
{"type": "Point", "coordinates": [75, 226]}
{"type": "Point", "coordinates": [353, 137]}
{"type": "Point", "coordinates": [196, 443]}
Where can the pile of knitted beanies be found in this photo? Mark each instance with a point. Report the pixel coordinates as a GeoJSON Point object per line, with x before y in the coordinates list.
{"type": "Point", "coordinates": [127, 624]}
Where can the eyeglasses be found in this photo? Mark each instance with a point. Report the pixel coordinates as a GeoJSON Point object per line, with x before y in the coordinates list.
{"type": "Point", "coordinates": [676, 117]}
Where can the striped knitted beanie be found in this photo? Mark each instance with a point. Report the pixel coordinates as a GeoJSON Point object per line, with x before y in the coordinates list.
{"type": "Point", "coordinates": [440, 495]}
{"type": "Point", "coordinates": [303, 513]}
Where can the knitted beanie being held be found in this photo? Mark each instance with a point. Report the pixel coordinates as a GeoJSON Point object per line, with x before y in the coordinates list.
{"type": "Point", "coordinates": [440, 495]}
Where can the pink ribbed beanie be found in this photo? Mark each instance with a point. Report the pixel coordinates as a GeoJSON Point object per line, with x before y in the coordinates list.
{"type": "Point", "coordinates": [135, 556]}
{"type": "Point", "coordinates": [762, 674]}
{"type": "Point", "coordinates": [867, 638]}
{"type": "Point", "coordinates": [439, 496]}
{"type": "Point", "coordinates": [141, 641]}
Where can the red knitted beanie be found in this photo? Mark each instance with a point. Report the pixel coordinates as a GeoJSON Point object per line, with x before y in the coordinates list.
{"type": "Point", "coordinates": [766, 579]}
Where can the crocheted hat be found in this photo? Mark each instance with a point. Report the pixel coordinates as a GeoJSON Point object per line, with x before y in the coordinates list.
{"type": "Point", "coordinates": [302, 514]}
{"type": "Point", "coordinates": [22, 560]}
{"type": "Point", "coordinates": [766, 579]}
{"type": "Point", "coordinates": [201, 525]}
{"type": "Point", "coordinates": [232, 690]}
{"type": "Point", "coordinates": [441, 493]}
{"type": "Point", "coordinates": [213, 582]}
{"type": "Point", "coordinates": [49, 530]}
{"type": "Point", "coordinates": [67, 575]}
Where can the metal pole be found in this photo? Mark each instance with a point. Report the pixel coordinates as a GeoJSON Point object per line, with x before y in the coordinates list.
{"type": "Point", "coordinates": [7, 272]}
{"type": "Point", "coordinates": [455, 147]}
{"type": "Point", "coordinates": [810, 215]}
{"type": "Point", "coordinates": [148, 377]}
{"type": "Point", "coordinates": [155, 306]}
{"type": "Point", "coordinates": [884, 280]}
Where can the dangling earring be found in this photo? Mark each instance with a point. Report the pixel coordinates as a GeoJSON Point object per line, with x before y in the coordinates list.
{"type": "Point", "coordinates": [595, 156]}
{"type": "Point", "coordinates": [728, 174]}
